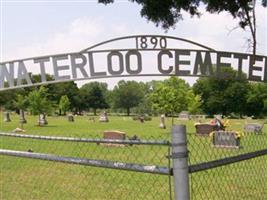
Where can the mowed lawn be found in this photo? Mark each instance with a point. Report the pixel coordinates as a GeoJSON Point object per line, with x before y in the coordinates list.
{"type": "Point", "coordinates": [22, 178]}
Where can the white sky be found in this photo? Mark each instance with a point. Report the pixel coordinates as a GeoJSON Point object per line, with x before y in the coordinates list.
{"type": "Point", "coordinates": [36, 28]}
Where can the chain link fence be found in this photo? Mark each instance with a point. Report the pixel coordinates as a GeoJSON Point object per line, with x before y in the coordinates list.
{"type": "Point", "coordinates": [83, 168]}
{"type": "Point", "coordinates": [56, 166]}
{"type": "Point", "coordinates": [228, 173]}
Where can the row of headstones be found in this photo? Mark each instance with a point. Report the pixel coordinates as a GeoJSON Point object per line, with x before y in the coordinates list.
{"type": "Point", "coordinates": [104, 118]}
{"type": "Point", "coordinates": [42, 118]}
{"type": "Point", "coordinates": [21, 119]}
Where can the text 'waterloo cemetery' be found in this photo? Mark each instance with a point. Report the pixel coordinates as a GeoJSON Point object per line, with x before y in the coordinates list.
{"type": "Point", "coordinates": [164, 60]}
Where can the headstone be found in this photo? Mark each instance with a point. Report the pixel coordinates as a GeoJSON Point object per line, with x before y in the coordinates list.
{"type": "Point", "coordinates": [162, 122]}
{"type": "Point", "coordinates": [103, 117]}
{"type": "Point", "coordinates": [114, 135]}
{"type": "Point", "coordinates": [22, 119]}
{"type": "Point", "coordinates": [42, 120]}
{"type": "Point", "coordinates": [253, 128]}
{"type": "Point", "coordinates": [225, 139]}
{"type": "Point", "coordinates": [70, 118]}
{"type": "Point", "coordinates": [205, 129]}
{"type": "Point", "coordinates": [142, 119]}
{"type": "Point", "coordinates": [7, 117]}
{"type": "Point", "coordinates": [184, 115]}
{"type": "Point", "coordinates": [219, 117]}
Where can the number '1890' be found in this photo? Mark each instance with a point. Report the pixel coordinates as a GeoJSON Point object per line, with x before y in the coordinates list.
{"type": "Point", "coordinates": [145, 42]}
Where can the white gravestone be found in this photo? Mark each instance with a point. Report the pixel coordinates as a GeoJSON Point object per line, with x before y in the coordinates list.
{"type": "Point", "coordinates": [162, 122]}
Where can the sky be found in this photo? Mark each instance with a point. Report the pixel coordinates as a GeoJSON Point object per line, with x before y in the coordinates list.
{"type": "Point", "coordinates": [36, 28]}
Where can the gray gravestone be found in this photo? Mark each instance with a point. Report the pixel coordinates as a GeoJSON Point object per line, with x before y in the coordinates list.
{"type": "Point", "coordinates": [70, 118]}
{"type": "Point", "coordinates": [225, 139]}
{"type": "Point", "coordinates": [219, 117]}
{"type": "Point", "coordinates": [103, 117]}
{"type": "Point", "coordinates": [7, 117]}
{"type": "Point", "coordinates": [184, 115]}
{"type": "Point", "coordinates": [162, 122]}
{"type": "Point", "coordinates": [142, 119]}
{"type": "Point", "coordinates": [253, 128]}
{"type": "Point", "coordinates": [22, 119]}
{"type": "Point", "coordinates": [42, 120]}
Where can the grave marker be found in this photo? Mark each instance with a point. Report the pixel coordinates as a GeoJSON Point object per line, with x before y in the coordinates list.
{"type": "Point", "coordinates": [42, 120]}
{"type": "Point", "coordinates": [253, 128]}
{"type": "Point", "coordinates": [184, 115]}
{"type": "Point", "coordinates": [226, 139]}
{"type": "Point", "coordinates": [162, 122]}
{"type": "Point", "coordinates": [103, 117]}
{"type": "Point", "coordinates": [22, 119]}
{"type": "Point", "coordinates": [7, 117]}
{"type": "Point", "coordinates": [114, 135]}
{"type": "Point", "coordinates": [70, 118]}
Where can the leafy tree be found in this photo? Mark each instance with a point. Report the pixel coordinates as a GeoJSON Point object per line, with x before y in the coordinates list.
{"type": "Point", "coordinates": [127, 94]}
{"type": "Point", "coordinates": [170, 96]}
{"type": "Point", "coordinates": [194, 103]}
{"type": "Point", "coordinates": [225, 95]}
{"type": "Point", "coordinates": [70, 89]}
{"type": "Point", "coordinates": [257, 99]}
{"type": "Point", "coordinates": [38, 102]}
{"type": "Point", "coordinates": [64, 104]}
{"type": "Point", "coordinates": [21, 103]}
{"type": "Point", "coordinates": [93, 95]}
{"type": "Point", "coordinates": [168, 12]}
{"type": "Point", "coordinates": [6, 99]}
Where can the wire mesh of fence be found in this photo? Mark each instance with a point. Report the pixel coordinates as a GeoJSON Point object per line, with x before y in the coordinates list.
{"type": "Point", "coordinates": [75, 160]}
{"type": "Point", "coordinates": [226, 166]}
{"type": "Point", "coordinates": [26, 178]}
{"type": "Point", "coordinates": [38, 179]}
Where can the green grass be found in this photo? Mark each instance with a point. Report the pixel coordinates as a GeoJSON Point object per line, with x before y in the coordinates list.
{"type": "Point", "coordinates": [22, 178]}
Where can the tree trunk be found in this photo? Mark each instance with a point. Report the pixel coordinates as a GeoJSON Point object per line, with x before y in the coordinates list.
{"type": "Point", "coordinates": [95, 111]}
{"type": "Point", "coordinates": [252, 26]}
{"type": "Point", "coordinates": [22, 117]}
{"type": "Point", "coordinates": [39, 121]}
{"type": "Point", "coordinates": [128, 111]}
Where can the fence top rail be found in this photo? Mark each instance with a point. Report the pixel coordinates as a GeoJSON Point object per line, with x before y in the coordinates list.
{"type": "Point", "coordinates": [153, 169]}
{"type": "Point", "coordinates": [88, 140]}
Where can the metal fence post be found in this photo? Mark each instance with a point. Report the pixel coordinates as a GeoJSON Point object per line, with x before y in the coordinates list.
{"type": "Point", "coordinates": [180, 164]}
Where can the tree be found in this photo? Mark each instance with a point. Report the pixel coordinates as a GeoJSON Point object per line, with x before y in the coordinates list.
{"type": "Point", "coordinates": [21, 103]}
{"type": "Point", "coordinates": [64, 104]}
{"type": "Point", "coordinates": [127, 94]}
{"type": "Point", "coordinates": [168, 12]}
{"type": "Point", "coordinates": [257, 99]}
{"type": "Point", "coordinates": [38, 102]}
{"type": "Point", "coordinates": [70, 89]}
{"type": "Point", "coordinates": [170, 96]}
{"type": "Point", "coordinates": [194, 103]}
{"type": "Point", "coordinates": [223, 95]}
{"type": "Point", "coordinates": [93, 95]}
{"type": "Point", "coordinates": [6, 99]}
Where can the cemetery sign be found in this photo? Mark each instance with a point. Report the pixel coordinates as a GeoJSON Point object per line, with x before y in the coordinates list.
{"type": "Point", "coordinates": [140, 55]}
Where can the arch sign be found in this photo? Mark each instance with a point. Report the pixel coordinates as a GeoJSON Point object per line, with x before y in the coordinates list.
{"type": "Point", "coordinates": [139, 55]}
